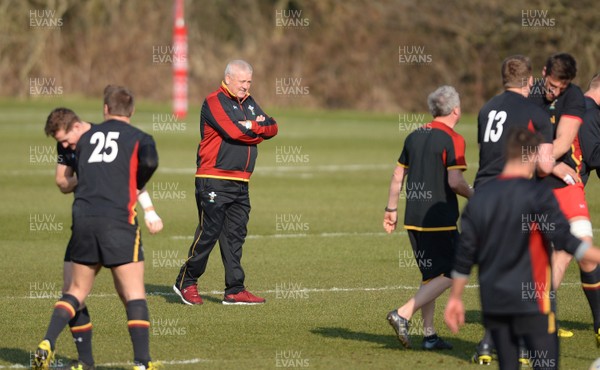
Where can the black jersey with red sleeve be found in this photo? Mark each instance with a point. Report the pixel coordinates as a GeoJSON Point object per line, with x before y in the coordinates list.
{"type": "Point", "coordinates": [495, 120]}
{"type": "Point", "coordinates": [428, 153]}
{"type": "Point", "coordinates": [227, 148]}
{"type": "Point", "coordinates": [66, 156]}
{"type": "Point", "coordinates": [115, 159]}
{"type": "Point", "coordinates": [589, 138]}
{"type": "Point", "coordinates": [507, 229]}
{"type": "Point", "coordinates": [570, 103]}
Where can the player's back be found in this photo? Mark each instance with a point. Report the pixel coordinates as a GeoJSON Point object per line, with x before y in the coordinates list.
{"type": "Point", "coordinates": [428, 153]}
{"type": "Point", "coordinates": [107, 170]}
{"type": "Point", "coordinates": [510, 227]}
{"type": "Point", "coordinates": [494, 121]}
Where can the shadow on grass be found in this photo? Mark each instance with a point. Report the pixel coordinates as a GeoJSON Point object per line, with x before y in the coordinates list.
{"type": "Point", "coordinates": [463, 349]}
{"type": "Point", "coordinates": [166, 291]}
{"type": "Point", "coordinates": [576, 325]}
{"type": "Point", "coordinates": [19, 358]}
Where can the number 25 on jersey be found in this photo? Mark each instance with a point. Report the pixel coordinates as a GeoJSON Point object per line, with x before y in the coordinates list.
{"type": "Point", "coordinates": [494, 134]}
{"type": "Point", "coordinates": [106, 147]}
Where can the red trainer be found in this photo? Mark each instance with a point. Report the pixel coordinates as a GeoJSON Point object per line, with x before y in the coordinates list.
{"type": "Point", "coordinates": [243, 297]}
{"type": "Point", "coordinates": [188, 295]}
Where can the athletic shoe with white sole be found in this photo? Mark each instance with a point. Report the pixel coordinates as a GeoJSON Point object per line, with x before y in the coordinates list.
{"type": "Point", "coordinates": [189, 295]}
{"type": "Point", "coordinates": [243, 298]}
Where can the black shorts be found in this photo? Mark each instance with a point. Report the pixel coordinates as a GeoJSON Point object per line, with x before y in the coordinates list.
{"type": "Point", "coordinates": [434, 251]}
{"type": "Point", "coordinates": [69, 247]}
{"type": "Point", "coordinates": [105, 241]}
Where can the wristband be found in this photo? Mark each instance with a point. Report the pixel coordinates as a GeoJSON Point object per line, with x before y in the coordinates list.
{"type": "Point", "coordinates": [145, 201]}
{"type": "Point", "coordinates": [390, 209]}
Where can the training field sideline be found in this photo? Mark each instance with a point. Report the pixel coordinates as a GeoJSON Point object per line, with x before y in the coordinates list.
{"type": "Point", "coordinates": [316, 251]}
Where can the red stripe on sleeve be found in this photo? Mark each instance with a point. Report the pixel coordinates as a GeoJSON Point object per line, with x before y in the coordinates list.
{"type": "Point", "coordinates": [133, 167]}
{"type": "Point", "coordinates": [222, 119]}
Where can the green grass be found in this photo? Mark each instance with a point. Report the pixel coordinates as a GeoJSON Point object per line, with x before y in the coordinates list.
{"type": "Point", "coordinates": [348, 271]}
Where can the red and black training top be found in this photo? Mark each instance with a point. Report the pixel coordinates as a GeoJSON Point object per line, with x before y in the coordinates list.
{"type": "Point", "coordinates": [227, 149]}
{"type": "Point", "coordinates": [571, 103]}
{"type": "Point", "coordinates": [495, 120]}
{"type": "Point", "coordinates": [114, 160]}
{"type": "Point", "coordinates": [506, 229]}
{"type": "Point", "coordinates": [428, 153]}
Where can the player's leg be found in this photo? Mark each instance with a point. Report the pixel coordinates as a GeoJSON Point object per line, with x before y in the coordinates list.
{"type": "Point", "coordinates": [80, 325]}
{"type": "Point", "coordinates": [427, 293]}
{"type": "Point", "coordinates": [589, 272]}
{"type": "Point", "coordinates": [506, 341]}
{"type": "Point", "coordinates": [82, 249]}
{"type": "Point", "coordinates": [571, 200]}
{"type": "Point", "coordinates": [64, 311]}
{"type": "Point", "coordinates": [540, 339]}
{"type": "Point", "coordinates": [427, 313]}
{"type": "Point", "coordinates": [431, 341]}
{"type": "Point", "coordinates": [560, 264]}
{"type": "Point", "coordinates": [211, 201]}
{"type": "Point", "coordinates": [231, 243]}
{"type": "Point", "coordinates": [130, 278]}
{"type": "Point", "coordinates": [434, 253]}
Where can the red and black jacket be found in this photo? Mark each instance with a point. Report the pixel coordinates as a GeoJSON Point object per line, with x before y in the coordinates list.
{"type": "Point", "coordinates": [227, 148]}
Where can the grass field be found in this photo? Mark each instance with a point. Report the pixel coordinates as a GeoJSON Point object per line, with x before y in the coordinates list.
{"type": "Point", "coordinates": [316, 250]}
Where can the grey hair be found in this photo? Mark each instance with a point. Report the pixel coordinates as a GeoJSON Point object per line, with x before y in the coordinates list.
{"type": "Point", "coordinates": [239, 64]}
{"type": "Point", "coordinates": [442, 101]}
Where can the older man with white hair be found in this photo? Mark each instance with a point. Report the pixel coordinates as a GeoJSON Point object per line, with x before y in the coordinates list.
{"type": "Point", "coordinates": [231, 125]}
{"type": "Point", "coordinates": [432, 161]}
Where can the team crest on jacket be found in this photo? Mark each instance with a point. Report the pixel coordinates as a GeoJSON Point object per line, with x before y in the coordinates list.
{"type": "Point", "coordinates": [212, 195]}
{"type": "Point", "coordinates": [252, 110]}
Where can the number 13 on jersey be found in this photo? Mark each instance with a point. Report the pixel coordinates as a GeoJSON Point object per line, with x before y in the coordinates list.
{"type": "Point", "coordinates": [494, 134]}
{"type": "Point", "coordinates": [106, 147]}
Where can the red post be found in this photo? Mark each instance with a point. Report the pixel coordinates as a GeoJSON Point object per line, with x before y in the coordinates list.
{"type": "Point", "coordinates": [180, 63]}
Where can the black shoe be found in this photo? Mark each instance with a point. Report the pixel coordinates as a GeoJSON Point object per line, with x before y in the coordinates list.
{"type": "Point", "coordinates": [434, 342]}
{"type": "Point", "coordinates": [400, 325]}
{"type": "Point", "coordinates": [523, 355]}
{"type": "Point", "coordinates": [483, 356]}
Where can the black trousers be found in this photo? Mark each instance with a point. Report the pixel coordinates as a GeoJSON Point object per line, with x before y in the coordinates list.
{"type": "Point", "coordinates": [223, 214]}
{"type": "Point", "coordinates": [537, 331]}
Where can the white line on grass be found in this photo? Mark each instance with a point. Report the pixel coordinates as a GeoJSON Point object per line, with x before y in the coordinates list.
{"type": "Point", "coordinates": [301, 235]}
{"type": "Point", "coordinates": [271, 291]}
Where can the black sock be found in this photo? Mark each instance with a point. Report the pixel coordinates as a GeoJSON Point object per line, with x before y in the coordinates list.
{"type": "Point", "coordinates": [431, 337]}
{"type": "Point", "coordinates": [590, 282]}
{"type": "Point", "coordinates": [138, 323]}
{"type": "Point", "coordinates": [64, 310]}
{"type": "Point", "coordinates": [81, 329]}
